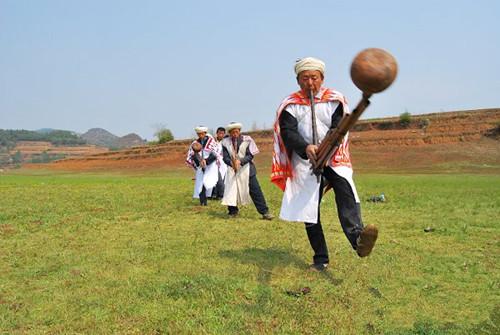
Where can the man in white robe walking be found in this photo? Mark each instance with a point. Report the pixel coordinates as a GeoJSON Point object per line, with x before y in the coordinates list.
{"type": "Point", "coordinates": [218, 190]}
{"type": "Point", "coordinates": [241, 184]}
{"type": "Point", "coordinates": [293, 151]}
{"type": "Point", "coordinates": [202, 157]}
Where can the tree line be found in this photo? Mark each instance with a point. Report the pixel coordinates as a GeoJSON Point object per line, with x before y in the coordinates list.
{"type": "Point", "coordinates": [9, 137]}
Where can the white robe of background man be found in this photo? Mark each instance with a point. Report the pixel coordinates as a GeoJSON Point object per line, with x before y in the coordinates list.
{"type": "Point", "coordinates": [236, 190]}
{"type": "Point", "coordinates": [209, 176]}
{"type": "Point", "coordinates": [220, 161]}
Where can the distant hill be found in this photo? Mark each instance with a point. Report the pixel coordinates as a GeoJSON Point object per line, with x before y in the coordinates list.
{"type": "Point", "coordinates": [130, 140]}
{"type": "Point", "coordinates": [103, 138]}
{"type": "Point", "coordinates": [9, 137]}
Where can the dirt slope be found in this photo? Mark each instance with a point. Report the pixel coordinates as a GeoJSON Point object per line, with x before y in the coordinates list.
{"type": "Point", "coordinates": [462, 141]}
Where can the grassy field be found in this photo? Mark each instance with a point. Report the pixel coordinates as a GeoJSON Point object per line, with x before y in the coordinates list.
{"type": "Point", "coordinates": [115, 254]}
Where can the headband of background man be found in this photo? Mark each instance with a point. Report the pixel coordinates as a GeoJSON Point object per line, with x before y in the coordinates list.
{"type": "Point", "coordinates": [234, 125]}
{"type": "Point", "coordinates": [201, 129]}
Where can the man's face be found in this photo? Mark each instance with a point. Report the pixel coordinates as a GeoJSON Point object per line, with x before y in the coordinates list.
{"type": "Point", "coordinates": [310, 80]}
{"type": "Point", "coordinates": [220, 134]}
{"type": "Point", "coordinates": [201, 135]}
{"type": "Point", "coordinates": [234, 132]}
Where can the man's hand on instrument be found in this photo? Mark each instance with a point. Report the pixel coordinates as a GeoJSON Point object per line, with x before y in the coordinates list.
{"type": "Point", "coordinates": [311, 152]}
{"type": "Point", "coordinates": [237, 165]}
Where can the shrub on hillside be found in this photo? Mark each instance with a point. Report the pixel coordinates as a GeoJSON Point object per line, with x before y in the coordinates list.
{"type": "Point", "coordinates": [45, 157]}
{"type": "Point", "coordinates": [17, 157]}
{"type": "Point", "coordinates": [405, 119]}
{"type": "Point", "coordinates": [164, 135]}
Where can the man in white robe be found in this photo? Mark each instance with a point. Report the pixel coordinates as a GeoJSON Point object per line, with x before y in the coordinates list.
{"type": "Point", "coordinates": [241, 184]}
{"type": "Point", "coordinates": [293, 150]}
{"type": "Point", "coordinates": [202, 157]}
{"type": "Point", "coordinates": [218, 190]}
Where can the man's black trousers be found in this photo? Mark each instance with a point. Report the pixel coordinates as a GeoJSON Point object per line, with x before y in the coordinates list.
{"type": "Point", "coordinates": [349, 213]}
{"type": "Point", "coordinates": [218, 191]}
{"type": "Point", "coordinates": [256, 195]}
{"type": "Point", "coordinates": [203, 196]}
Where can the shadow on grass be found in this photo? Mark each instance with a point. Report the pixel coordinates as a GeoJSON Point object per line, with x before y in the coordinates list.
{"type": "Point", "coordinates": [219, 212]}
{"type": "Point", "coordinates": [268, 259]}
{"type": "Point", "coordinates": [265, 259]}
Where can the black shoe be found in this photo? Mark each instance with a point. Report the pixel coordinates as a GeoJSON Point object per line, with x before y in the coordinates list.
{"type": "Point", "coordinates": [267, 216]}
{"type": "Point", "coordinates": [366, 240]}
{"type": "Point", "coordinates": [233, 215]}
{"type": "Point", "coordinates": [318, 267]}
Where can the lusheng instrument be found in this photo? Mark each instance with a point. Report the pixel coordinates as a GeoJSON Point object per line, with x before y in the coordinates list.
{"type": "Point", "coordinates": [314, 126]}
{"type": "Point", "coordinates": [197, 147]}
{"type": "Point", "coordinates": [372, 71]}
{"type": "Point", "coordinates": [234, 159]}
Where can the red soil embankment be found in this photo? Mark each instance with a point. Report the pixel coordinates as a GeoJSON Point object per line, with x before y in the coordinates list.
{"type": "Point", "coordinates": [441, 142]}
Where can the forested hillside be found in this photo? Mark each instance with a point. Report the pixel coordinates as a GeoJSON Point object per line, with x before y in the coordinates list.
{"type": "Point", "coordinates": [9, 137]}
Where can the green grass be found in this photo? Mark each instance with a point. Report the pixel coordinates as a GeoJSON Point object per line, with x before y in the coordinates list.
{"type": "Point", "coordinates": [114, 254]}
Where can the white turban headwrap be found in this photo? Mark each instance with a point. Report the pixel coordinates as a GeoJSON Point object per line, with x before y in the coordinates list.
{"type": "Point", "coordinates": [309, 63]}
{"type": "Point", "coordinates": [233, 125]}
{"type": "Point", "coordinates": [201, 129]}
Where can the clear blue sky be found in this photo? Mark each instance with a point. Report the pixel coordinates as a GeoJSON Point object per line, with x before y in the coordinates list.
{"type": "Point", "coordinates": [127, 66]}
